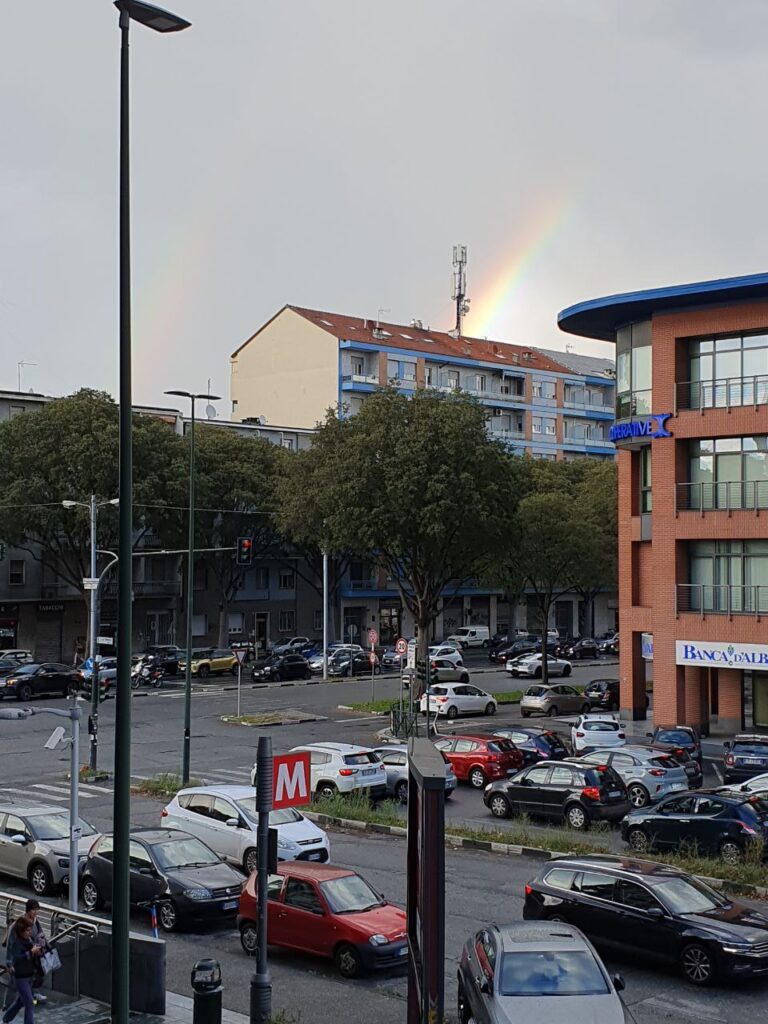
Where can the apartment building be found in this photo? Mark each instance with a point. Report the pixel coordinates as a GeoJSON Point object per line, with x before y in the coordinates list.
{"type": "Point", "coordinates": [692, 433]}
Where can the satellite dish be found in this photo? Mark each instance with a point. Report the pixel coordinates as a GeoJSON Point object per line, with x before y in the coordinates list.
{"type": "Point", "coordinates": [210, 412]}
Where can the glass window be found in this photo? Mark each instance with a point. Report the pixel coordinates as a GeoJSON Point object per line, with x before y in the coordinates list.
{"type": "Point", "coordinates": [106, 848]}
{"type": "Point", "coordinates": [633, 370]}
{"type": "Point", "coordinates": [556, 973]}
{"type": "Point", "coordinates": [287, 579]}
{"type": "Point", "coordinates": [15, 827]}
{"type": "Point", "coordinates": [728, 371]}
{"type": "Point", "coordinates": [274, 887]}
{"type": "Point", "coordinates": [139, 858]}
{"type": "Point", "coordinates": [561, 776]}
{"type": "Point", "coordinates": [393, 369]}
{"type": "Point", "coordinates": [633, 895]}
{"type": "Point", "coordinates": [706, 806]}
{"type": "Point", "coordinates": [287, 622]}
{"type": "Point", "coordinates": [302, 895]}
{"type": "Point", "coordinates": [592, 883]}
{"type": "Point", "coordinates": [646, 493]}
{"type": "Point", "coordinates": [537, 776]}
{"type": "Point", "coordinates": [560, 878]}
{"type": "Point", "coordinates": [17, 572]}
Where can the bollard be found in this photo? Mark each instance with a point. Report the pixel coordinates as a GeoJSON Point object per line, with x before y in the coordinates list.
{"type": "Point", "coordinates": [206, 992]}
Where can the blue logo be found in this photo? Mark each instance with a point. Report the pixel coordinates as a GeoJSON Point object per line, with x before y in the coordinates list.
{"type": "Point", "coordinates": [654, 426]}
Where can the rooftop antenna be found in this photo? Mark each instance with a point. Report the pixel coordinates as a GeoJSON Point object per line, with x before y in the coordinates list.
{"type": "Point", "coordinates": [459, 293]}
{"type": "Point", "coordinates": [19, 367]}
{"type": "Point", "coordinates": [378, 315]}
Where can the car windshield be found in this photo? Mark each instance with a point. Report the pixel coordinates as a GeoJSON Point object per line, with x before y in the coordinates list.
{"type": "Point", "coordinates": [285, 816]}
{"type": "Point", "coordinates": [553, 973]}
{"type": "Point", "coordinates": [49, 827]}
{"type": "Point", "coordinates": [688, 896]}
{"type": "Point", "coordinates": [439, 690]}
{"type": "Point", "coordinates": [183, 853]}
{"type": "Point", "coordinates": [750, 747]}
{"type": "Point", "coordinates": [678, 736]}
{"type": "Point", "coordinates": [350, 894]}
{"type": "Point", "coordinates": [26, 670]}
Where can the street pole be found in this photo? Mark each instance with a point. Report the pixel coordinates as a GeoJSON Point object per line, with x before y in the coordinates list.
{"type": "Point", "coordinates": [93, 629]}
{"type": "Point", "coordinates": [325, 615]}
{"type": "Point", "coordinates": [239, 682]}
{"type": "Point", "coordinates": [190, 592]}
{"type": "Point", "coordinates": [74, 803]}
{"type": "Point", "coordinates": [261, 983]}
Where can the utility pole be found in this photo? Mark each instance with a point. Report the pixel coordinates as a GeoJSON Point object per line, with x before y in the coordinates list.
{"type": "Point", "coordinates": [325, 615]}
{"type": "Point", "coordinates": [459, 294]}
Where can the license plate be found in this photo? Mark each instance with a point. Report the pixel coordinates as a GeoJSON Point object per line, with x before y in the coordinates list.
{"type": "Point", "coordinates": [751, 760]}
{"type": "Point", "coordinates": [614, 793]}
{"type": "Point", "coordinates": [403, 951]}
{"type": "Point", "coordinates": [230, 905]}
{"type": "Point", "coordinates": [369, 771]}
{"type": "Point", "coordinates": [314, 856]}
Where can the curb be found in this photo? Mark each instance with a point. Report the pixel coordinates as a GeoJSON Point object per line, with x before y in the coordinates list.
{"type": "Point", "coordinates": [228, 720]}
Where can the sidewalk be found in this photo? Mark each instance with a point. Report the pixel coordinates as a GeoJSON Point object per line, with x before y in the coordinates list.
{"type": "Point", "coordinates": [178, 1010]}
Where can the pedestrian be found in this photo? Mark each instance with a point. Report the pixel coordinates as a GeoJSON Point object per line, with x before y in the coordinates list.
{"type": "Point", "coordinates": [20, 960]}
{"type": "Point", "coordinates": [31, 910]}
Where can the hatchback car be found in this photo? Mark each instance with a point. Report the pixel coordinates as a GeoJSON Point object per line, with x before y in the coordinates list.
{"type": "Point", "coordinates": [189, 882]}
{"type": "Point", "coordinates": [513, 649]}
{"type": "Point", "coordinates": [530, 971]}
{"type": "Point", "coordinates": [445, 671]}
{"type": "Point", "coordinates": [18, 654]}
{"type": "Point", "coordinates": [480, 759]}
{"type": "Point", "coordinates": [225, 819]}
{"type": "Point", "coordinates": [454, 699]}
{"type": "Point", "coordinates": [394, 757]}
{"type": "Point", "coordinates": [578, 650]}
{"type": "Point", "coordinates": [603, 694]}
{"type": "Point", "coordinates": [33, 679]}
{"type": "Point", "coordinates": [537, 744]}
{"type": "Point", "coordinates": [679, 737]}
{"type": "Point", "coordinates": [342, 768]}
{"type": "Point", "coordinates": [330, 912]}
{"type": "Point", "coordinates": [281, 667]}
{"type": "Point", "coordinates": [296, 643]}
{"type": "Point", "coordinates": [745, 756]}
{"type": "Point", "coordinates": [649, 776]}
{"type": "Point", "coordinates": [596, 732]}
{"type": "Point", "coordinates": [34, 844]}
{"type": "Point", "coordinates": [653, 911]}
{"type": "Point", "coordinates": [356, 663]}
{"type": "Point", "coordinates": [447, 652]}
{"type": "Point", "coordinates": [576, 792]}
{"type": "Point", "coordinates": [609, 644]}
{"type": "Point", "coordinates": [210, 662]}
{"type": "Point", "coordinates": [557, 699]}
{"type": "Point", "coordinates": [531, 667]}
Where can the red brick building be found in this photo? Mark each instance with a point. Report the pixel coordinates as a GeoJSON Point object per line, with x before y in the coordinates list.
{"type": "Point", "coordinates": [692, 432]}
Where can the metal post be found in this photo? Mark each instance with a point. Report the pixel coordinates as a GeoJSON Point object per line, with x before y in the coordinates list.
{"type": "Point", "coordinates": [121, 911]}
{"type": "Point", "coordinates": [190, 593]}
{"type": "Point", "coordinates": [239, 682]}
{"type": "Point", "coordinates": [325, 615]}
{"type": "Point", "coordinates": [261, 983]}
{"type": "Point", "coordinates": [74, 802]}
{"type": "Point", "coordinates": [93, 629]}
{"type": "Point", "coordinates": [373, 674]}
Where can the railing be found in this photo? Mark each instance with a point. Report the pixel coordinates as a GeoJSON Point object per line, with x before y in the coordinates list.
{"type": "Point", "coordinates": [706, 598]}
{"type": "Point", "coordinates": [586, 439]}
{"type": "Point", "coordinates": [724, 393]}
{"type": "Point", "coordinates": [147, 588]}
{"type": "Point", "coordinates": [728, 495]}
{"type": "Point", "coordinates": [362, 584]}
{"type": "Point", "coordinates": [571, 402]}
{"type": "Point", "coordinates": [493, 388]}
{"type": "Point", "coordinates": [360, 378]}
{"type": "Point", "coordinates": [502, 434]}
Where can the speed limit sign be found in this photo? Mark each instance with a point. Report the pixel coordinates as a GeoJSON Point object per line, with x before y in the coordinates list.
{"type": "Point", "coordinates": [373, 636]}
{"type": "Point", "coordinates": [372, 657]}
{"type": "Point", "coordinates": [401, 646]}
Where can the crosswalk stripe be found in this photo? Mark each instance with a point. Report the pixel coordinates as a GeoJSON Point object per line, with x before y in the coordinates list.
{"type": "Point", "coordinates": [22, 794]}
{"type": "Point", "coordinates": [62, 789]}
{"type": "Point", "coordinates": [227, 771]}
{"type": "Point", "coordinates": [95, 789]}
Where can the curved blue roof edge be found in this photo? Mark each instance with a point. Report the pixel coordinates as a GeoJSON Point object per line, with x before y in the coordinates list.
{"type": "Point", "coordinates": [599, 318]}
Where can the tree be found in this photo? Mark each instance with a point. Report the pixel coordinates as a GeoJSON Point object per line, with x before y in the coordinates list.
{"type": "Point", "coordinates": [595, 504]}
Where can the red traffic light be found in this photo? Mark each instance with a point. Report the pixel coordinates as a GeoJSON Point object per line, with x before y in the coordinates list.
{"type": "Point", "coordinates": [244, 550]}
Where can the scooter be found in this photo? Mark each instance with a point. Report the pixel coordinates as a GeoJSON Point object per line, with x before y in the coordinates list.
{"type": "Point", "coordinates": [146, 672]}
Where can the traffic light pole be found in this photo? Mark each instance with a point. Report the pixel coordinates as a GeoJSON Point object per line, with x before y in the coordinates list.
{"type": "Point", "coordinates": [190, 593]}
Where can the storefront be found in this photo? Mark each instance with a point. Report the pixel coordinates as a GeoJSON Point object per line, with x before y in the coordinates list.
{"type": "Point", "coordinates": [721, 666]}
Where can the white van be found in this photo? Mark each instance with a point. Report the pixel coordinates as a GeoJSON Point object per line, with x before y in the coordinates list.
{"type": "Point", "coordinates": [470, 636]}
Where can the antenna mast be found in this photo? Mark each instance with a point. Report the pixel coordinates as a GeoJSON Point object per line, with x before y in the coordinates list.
{"type": "Point", "coordinates": [459, 294]}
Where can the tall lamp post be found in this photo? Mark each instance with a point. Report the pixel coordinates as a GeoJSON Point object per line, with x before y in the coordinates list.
{"type": "Point", "coordinates": [93, 506]}
{"type": "Point", "coordinates": [160, 21]}
{"type": "Point", "coordinates": [190, 582]}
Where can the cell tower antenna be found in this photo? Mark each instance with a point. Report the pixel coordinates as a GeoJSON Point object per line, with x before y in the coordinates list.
{"type": "Point", "coordinates": [459, 293]}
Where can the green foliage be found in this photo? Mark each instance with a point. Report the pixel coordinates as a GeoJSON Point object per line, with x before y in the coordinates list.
{"type": "Point", "coordinates": [164, 785]}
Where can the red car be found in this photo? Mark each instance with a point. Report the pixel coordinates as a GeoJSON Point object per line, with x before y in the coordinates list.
{"type": "Point", "coordinates": [481, 759]}
{"type": "Point", "coordinates": [327, 911]}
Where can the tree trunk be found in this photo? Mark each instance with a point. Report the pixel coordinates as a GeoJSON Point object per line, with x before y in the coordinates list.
{"type": "Point", "coordinates": [544, 637]}
{"type": "Point", "coordinates": [223, 624]}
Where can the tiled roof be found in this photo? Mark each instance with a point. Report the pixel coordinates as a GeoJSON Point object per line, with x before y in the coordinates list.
{"type": "Point", "coordinates": [587, 365]}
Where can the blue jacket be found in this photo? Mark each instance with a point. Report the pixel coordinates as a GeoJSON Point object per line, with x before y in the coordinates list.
{"type": "Point", "coordinates": [17, 950]}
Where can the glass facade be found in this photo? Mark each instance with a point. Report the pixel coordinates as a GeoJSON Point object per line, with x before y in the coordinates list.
{"type": "Point", "coordinates": [633, 370]}
{"type": "Point", "coordinates": [729, 576]}
{"type": "Point", "coordinates": [646, 493]}
{"type": "Point", "coordinates": [727, 371]}
{"type": "Point", "coordinates": [730, 472]}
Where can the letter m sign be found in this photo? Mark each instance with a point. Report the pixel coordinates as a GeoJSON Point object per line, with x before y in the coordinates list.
{"type": "Point", "coordinates": [291, 784]}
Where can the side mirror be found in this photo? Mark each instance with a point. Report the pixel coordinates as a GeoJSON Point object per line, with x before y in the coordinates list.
{"type": "Point", "coordinates": [655, 913]}
{"type": "Point", "coordinates": [19, 839]}
{"type": "Point", "coordinates": [146, 871]}
{"type": "Point", "coordinates": [649, 735]}
{"type": "Point", "coordinates": [618, 983]}
{"type": "Point", "coordinates": [232, 822]}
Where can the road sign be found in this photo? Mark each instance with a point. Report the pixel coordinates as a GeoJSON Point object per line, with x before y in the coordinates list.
{"type": "Point", "coordinates": [372, 657]}
{"type": "Point", "coordinates": [411, 663]}
{"type": "Point", "coordinates": [240, 654]}
{"type": "Point", "coordinates": [291, 781]}
{"type": "Point", "coordinates": [373, 637]}
{"type": "Point", "coordinates": [90, 582]}
{"type": "Point", "coordinates": [401, 646]}
{"type": "Point", "coordinates": [105, 641]}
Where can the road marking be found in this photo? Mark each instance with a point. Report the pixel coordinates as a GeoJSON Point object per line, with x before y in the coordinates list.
{"type": "Point", "coordinates": [95, 789]}
{"type": "Point", "coordinates": [237, 774]}
{"type": "Point", "coordinates": [62, 789]}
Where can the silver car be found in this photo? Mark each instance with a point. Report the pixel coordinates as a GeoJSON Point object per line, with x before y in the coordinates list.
{"type": "Point", "coordinates": [34, 844]}
{"type": "Point", "coordinates": [531, 666]}
{"type": "Point", "coordinates": [649, 774]}
{"type": "Point", "coordinates": [447, 672]}
{"type": "Point", "coordinates": [558, 699]}
{"type": "Point", "coordinates": [394, 757]}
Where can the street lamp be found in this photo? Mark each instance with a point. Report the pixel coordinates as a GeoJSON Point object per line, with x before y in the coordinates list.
{"type": "Point", "coordinates": [93, 506]}
{"type": "Point", "coordinates": [185, 756]}
{"type": "Point", "coordinates": [160, 21]}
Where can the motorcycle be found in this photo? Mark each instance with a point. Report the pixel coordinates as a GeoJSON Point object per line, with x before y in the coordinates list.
{"type": "Point", "coordinates": [147, 672]}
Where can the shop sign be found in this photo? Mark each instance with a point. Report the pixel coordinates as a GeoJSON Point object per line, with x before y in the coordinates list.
{"type": "Point", "coordinates": [724, 655]}
{"type": "Point", "coordinates": [652, 426]}
{"type": "Point", "coordinates": [646, 643]}
{"type": "Point", "coordinates": [50, 606]}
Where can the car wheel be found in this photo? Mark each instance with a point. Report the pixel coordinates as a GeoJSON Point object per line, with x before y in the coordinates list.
{"type": "Point", "coordinates": [477, 778]}
{"type": "Point", "coordinates": [464, 678]}
{"type": "Point", "coordinates": [576, 818]}
{"type": "Point", "coordinates": [251, 860]}
{"type": "Point", "coordinates": [167, 917]}
{"type": "Point", "coordinates": [697, 964]}
{"type": "Point", "coordinates": [40, 879]}
{"type": "Point", "coordinates": [553, 711]}
{"type": "Point", "coordinates": [490, 708]}
{"type": "Point", "coordinates": [638, 840]}
{"type": "Point", "coordinates": [249, 939]}
{"type": "Point", "coordinates": [325, 791]}
{"type": "Point", "coordinates": [377, 670]}
{"type": "Point", "coordinates": [499, 806]}
{"type": "Point", "coordinates": [465, 1014]}
{"type": "Point", "coordinates": [91, 895]}
{"type": "Point", "coordinates": [452, 711]}
{"type": "Point", "coordinates": [558, 918]}
{"type": "Point", "coordinates": [24, 692]}
{"type": "Point", "coordinates": [401, 792]}
{"type": "Point", "coordinates": [731, 852]}
{"type": "Point", "coordinates": [69, 689]}
{"type": "Point", "coordinates": [525, 714]}
{"type": "Point", "coordinates": [485, 643]}
{"type": "Point", "coordinates": [638, 795]}
{"type": "Point", "coordinates": [307, 674]}
{"type": "Point", "coordinates": [567, 671]}
{"type": "Point", "coordinates": [203, 672]}
{"type": "Point", "coordinates": [348, 961]}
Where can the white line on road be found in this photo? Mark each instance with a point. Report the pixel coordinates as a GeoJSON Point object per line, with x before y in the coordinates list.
{"type": "Point", "coordinates": [62, 789]}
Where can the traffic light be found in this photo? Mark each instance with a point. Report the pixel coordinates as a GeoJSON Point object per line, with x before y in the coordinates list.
{"type": "Point", "coordinates": [421, 671]}
{"type": "Point", "coordinates": [244, 550]}
{"type": "Point", "coordinates": [434, 676]}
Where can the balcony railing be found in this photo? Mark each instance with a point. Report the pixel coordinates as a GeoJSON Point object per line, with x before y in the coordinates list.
{"type": "Point", "coordinates": [502, 434]}
{"type": "Point", "coordinates": [574, 402]}
{"type": "Point", "coordinates": [728, 495]}
{"type": "Point", "coordinates": [362, 584]}
{"type": "Point", "coordinates": [493, 389]}
{"type": "Point", "coordinates": [725, 393]}
{"type": "Point", "coordinates": [586, 439]}
{"type": "Point", "coordinates": [360, 378]}
{"type": "Point", "coordinates": [704, 598]}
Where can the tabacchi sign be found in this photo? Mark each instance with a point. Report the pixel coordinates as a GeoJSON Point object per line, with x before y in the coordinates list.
{"type": "Point", "coordinates": [653, 426]}
{"type": "Point", "coordinates": [696, 652]}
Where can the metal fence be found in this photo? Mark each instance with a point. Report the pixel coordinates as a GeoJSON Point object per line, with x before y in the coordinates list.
{"type": "Point", "coordinates": [704, 598]}
{"type": "Point", "coordinates": [725, 495]}
{"type": "Point", "coordinates": [723, 393]}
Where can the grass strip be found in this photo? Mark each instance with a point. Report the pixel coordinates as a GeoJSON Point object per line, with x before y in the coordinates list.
{"type": "Point", "coordinates": [166, 784]}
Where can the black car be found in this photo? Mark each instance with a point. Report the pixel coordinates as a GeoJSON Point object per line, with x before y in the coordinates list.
{"type": "Point", "coordinates": [745, 757]}
{"type": "Point", "coordinates": [166, 657]}
{"type": "Point", "coordinates": [27, 681]}
{"type": "Point", "coordinates": [281, 667]}
{"type": "Point", "coordinates": [513, 650]}
{"type": "Point", "coordinates": [609, 644]}
{"type": "Point", "coordinates": [603, 694]}
{"type": "Point", "coordinates": [654, 911]}
{"type": "Point", "coordinates": [187, 880]}
{"type": "Point", "coordinates": [361, 664]}
{"type": "Point", "coordinates": [578, 650]}
{"type": "Point", "coordinates": [670, 739]}
{"type": "Point", "coordinates": [537, 744]}
{"type": "Point", "coordinates": [577, 793]}
{"type": "Point", "coordinates": [710, 822]}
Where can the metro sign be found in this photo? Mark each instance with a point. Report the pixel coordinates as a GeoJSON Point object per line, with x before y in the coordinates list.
{"type": "Point", "coordinates": [291, 782]}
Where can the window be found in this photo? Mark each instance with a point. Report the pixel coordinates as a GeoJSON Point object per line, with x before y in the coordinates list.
{"type": "Point", "coordinates": [480, 382]}
{"type": "Point", "coordinates": [15, 827]}
{"type": "Point", "coordinates": [543, 389]}
{"type": "Point", "coordinates": [200, 576]}
{"type": "Point", "coordinates": [17, 572]}
{"type": "Point", "coordinates": [560, 878]}
{"type": "Point", "coordinates": [288, 443]}
{"type": "Point", "coordinates": [592, 883]}
{"type": "Point", "coordinates": [408, 371]}
{"type": "Point", "coordinates": [560, 972]}
{"type": "Point", "coordinates": [261, 579]}
{"type": "Point", "coordinates": [465, 746]}
{"type": "Point", "coordinates": [15, 410]}
{"type": "Point", "coordinates": [706, 806]}
{"type": "Point", "coordinates": [393, 369]}
{"type": "Point", "coordinates": [199, 625]}
{"type": "Point", "coordinates": [536, 424]}
{"type": "Point", "coordinates": [728, 576]}
{"type": "Point", "coordinates": [319, 757]}
{"type": "Point", "coordinates": [561, 777]}
{"type": "Point", "coordinates": [636, 896]}
{"type": "Point", "coordinates": [138, 856]}
{"type": "Point", "coordinates": [678, 805]}
{"type": "Point", "coordinates": [633, 370]}
{"type": "Point", "coordinates": [514, 386]}
{"type": "Point", "coordinates": [358, 366]}
{"type": "Point", "coordinates": [486, 941]}
{"type": "Point", "coordinates": [106, 848]}
{"type": "Point", "coordinates": [727, 473]}
{"type": "Point", "coordinates": [317, 620]}
{"type": "Point", "coordinates": [274, 887]}
{"type": "Point", "coordinates": [728, 371]}
{"type": "Point", "coordinates": [223, 810]}
{"type": "Point", "coordinates": [198, 803]}
{"type": "Point", "coordinates": [287, 622]}
{"type": "Point", "coordinates": [453, 379]}
{"type": "Point", "coordinates": [301, 895]}
{"type": "Point", "coordinates": [538, 776]}
{"type": "Point", "coordinates": [287, 579]}
{"type": "Point", "coordinates": [236, 622]}
{"type": "Point", "coordinates": [646, 494]}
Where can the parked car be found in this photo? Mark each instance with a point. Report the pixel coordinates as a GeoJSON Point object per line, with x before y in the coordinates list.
{"type": "Point", "coordinates": [342, 768]}
{"type": "Point", "coordinates": [596, 732]}
{"type": "Point", "coordinates": [316, 660]}
{"type": "Point", "coordinates": [446, 672]}
{"type": "Point", "coordinates": [356, 663]}
{"type": "Point", "coordinates": [648, 775]}
{"type": "Point", "coordinates": [330, 912]}
{"type": "Point", "coordinates": [480, 759]}
{"type": "Point", "coordinates": [18, 654]}
{"type": "Point", "coordinates": [454, 699]}
{"type": "Point", "coordinates": [188, 881]}
{"type": "Point", "coordinates": [8, 665]}
{"type": "Point", "coordinates": [674, 738]}
{"type": "Point", "coordinates": [557, 699]}
{"type": "Point", "coordinates": [168, 657]}
{"type": "Point", "coordinates": [211, 661]}
{"type": "Point", "coordinates": [757, 784]}
{"type": "Point", "coordinates": [447, 652]}
{"type": "Point", "coordinates": [394, 757]}
{"type": "Point", "coordinates": [682, 756]}
{"type": "Point", "coordinates": [34, 844]}
{"type": "Point", "coordinates": [32, 679]}
{"type": "Point", "coordinates": [652, 911]}
{"type": "Point", "coordinates": [609, 644]}
{"type": "Point", "coordinates": [280, 667]}
{"type": "Point", "coordinates": [391, 661]}
{"type": "Point", "coordinates": [514, 649]}
{"type": "Point", "coordinates": [577, 650]}
{"type": "Point", "coordinates": [107, 671]}
{"type": "Point", "coordinates": [575, 792]}
{"type": "Point", "coordinates": [225, 819]}
{"type": "Point", "coordinates": [745, 756]}
{"type": "Point", "coordinates": [470, 636]}
{"type": "Point", "coordinates": [536, 743]}
{"type": "Point", "coordinates": [531, 666]}
{"type": "Point", "coordinates": [528, 972]}
{"type": "Point", "coordinates": [713, 823]}
{"type": "Point", "coordinates": [603, 694]}
{"type": "Point", "coordinates": [287, 646]}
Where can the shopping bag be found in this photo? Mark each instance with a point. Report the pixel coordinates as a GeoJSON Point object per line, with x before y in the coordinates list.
{"type": "Point", "coordinates": [50, 961]}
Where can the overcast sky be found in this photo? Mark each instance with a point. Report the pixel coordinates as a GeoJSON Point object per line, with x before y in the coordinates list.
{"type": "Point", "coordinates": [330, 153]}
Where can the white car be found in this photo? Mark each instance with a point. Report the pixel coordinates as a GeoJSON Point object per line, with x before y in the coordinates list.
{"type": "Point", "coordinates": [288, 646]}
{"type": "Point", "coordinates": [471, 636]}
{"type": "Point", "coordinates": [757, 784]}
{"type": "Point", "coordinates": [225, 819]}
{"type": "Point", "coordinates": [342, 768]}
{"type": "Point", "coordinates": [447, 652]}
{"type": "Point", "coordinates": [596, 732]}
{"type": "Point", "coordinates": [453, 699]}
{"type": "Point", "coordinates": [531, 666]}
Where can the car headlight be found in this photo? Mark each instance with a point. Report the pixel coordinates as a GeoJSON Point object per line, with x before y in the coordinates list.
{"type": "Point", "coordinates": [198, 894]}
{"type": "Point", "coordinates": [738, 947]}
{"type": "Point", "coordinates": [378, 940]}
{"type": "Point", "coordinates": [63, 862]}
{"type": "Point", "coordinates": [284, 844]}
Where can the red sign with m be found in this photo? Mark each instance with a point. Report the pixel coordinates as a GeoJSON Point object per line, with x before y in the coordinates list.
{"type": "Point", "coordinates": [291, 783]}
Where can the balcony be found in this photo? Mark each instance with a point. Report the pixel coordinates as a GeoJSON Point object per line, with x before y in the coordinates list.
{"type": "Point", "coordinates": [350, 379]}
{"type": "Point", "coordinates": [507, 435]}
{"type": "Point", "coordinates": [146, 588]}
{"type": "Point", "coordinates": [494, 390]}
{"type": "Point", "coordinates": [586, 439]}
{"type": "Point", "coordinates": [708, 599]}
{"type": "Point", "coordinates": [575, 401]}
{"type": "Point", "coordinates": [726, 393]}
{"type": "Point", "coordinates": [727, 496]}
